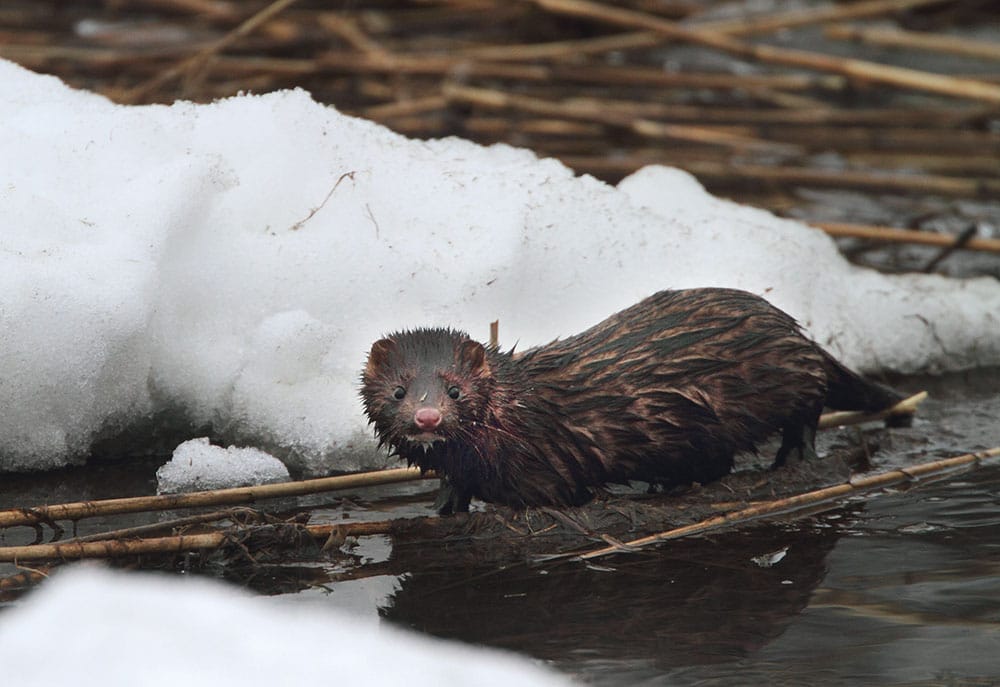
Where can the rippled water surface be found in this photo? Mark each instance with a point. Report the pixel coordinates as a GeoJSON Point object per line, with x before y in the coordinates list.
{"type": "Point", "coordinates": [899, 587]}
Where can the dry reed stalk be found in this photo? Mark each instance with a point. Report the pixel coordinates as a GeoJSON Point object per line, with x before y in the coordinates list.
{"type": "Point", "coordinates": [108, 548]}
{"type": "Point", "coordinates": [216, 497]}
{"type": "Point", "coordinates": [215, 10]}
{"type": "Point", "coordinates": [927, 238]}
{"type": "Point", "coordinates": [859, 70]}
{"type": "Point", "coordinates": [830, 495]}
{"type": "Point", "coordinates": [335, 534]}
{"type": "Point", "coordinates": [740, 173]}
{"type": "Point", "coordinates": [111, 548]}
{"type": "Point", "coordinates": [554, 50]}
{"type": "Point", "coordinates": [164, 525]}
{"type": "Point", "coordinates": [898, 38]}
{"type": "Point", "coordinates": [198, 60]}
{"type": "Point", "coordinates": [339, 61]}
{"type": "Point", "coordinates": [870, 139]}
{"type": "Point", "coordinates": [581, 110]}
{"type": "Point", "coordinates": [406, 107]}
{"type": "Point", "coordinates": [348, 29]}
{"type": "Point", "coordinates": [926, 118]}
{"type": "Point", "coordinates": [505, 126]}
{"type": "Point", "coordinates": [27, 577]}
{"type": "Point", "coordinates": [811, 15]}
{"type": "Point", "coordinates": [907, 406]}
{"type": "Point", "coordinates": [954, 165]}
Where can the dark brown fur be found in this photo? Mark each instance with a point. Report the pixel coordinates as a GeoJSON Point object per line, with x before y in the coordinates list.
{"type": "Point", "coordinates": [666, 391]}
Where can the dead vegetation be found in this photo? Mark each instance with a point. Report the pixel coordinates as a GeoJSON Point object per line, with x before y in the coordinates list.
{"type": "Point", "coordinates": [768, 108]}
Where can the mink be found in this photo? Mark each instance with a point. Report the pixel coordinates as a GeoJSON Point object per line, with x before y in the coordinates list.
{"type": "Point", "coordinates": [667, 392]}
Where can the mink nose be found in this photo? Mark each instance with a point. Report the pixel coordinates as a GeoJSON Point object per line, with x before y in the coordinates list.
{"type": "Point", "coordinates": [427, 418]}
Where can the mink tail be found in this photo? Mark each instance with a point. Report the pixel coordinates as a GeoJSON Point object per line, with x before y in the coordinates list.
{"type": "Point", "coordinates": [847, 390]}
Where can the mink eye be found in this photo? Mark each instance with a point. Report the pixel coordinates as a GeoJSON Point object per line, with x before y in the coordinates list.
{"type": "Point", "coordinates": [399, 393]}
{"type": "Point", "coordinates": [454, 392]}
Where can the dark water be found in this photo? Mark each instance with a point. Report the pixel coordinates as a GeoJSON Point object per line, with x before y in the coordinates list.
{"type": "Point", "coordinates": [897, 588]}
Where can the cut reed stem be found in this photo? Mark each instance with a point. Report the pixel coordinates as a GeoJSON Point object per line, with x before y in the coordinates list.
{"type": "Point", "coordinates": [217, 497]}
{"type": "Point", "coordinates": [830, 495]}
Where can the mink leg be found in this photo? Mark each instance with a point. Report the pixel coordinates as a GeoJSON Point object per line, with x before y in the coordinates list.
{"type": "Point", "coordinates": [798, 437]}
{"type": "Point", "coordinates": [451, 500]}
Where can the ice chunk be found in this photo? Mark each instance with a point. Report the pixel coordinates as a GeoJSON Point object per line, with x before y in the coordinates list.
{"type": "Point", "coordinates": [187, 631]}
{"type": "Point", "coordinates": [196, 465]}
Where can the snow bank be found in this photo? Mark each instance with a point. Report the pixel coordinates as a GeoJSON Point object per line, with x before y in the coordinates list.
{"type": "Point", "coordinates": [234, 261]}
{"type": "Point", "coordinates": [90, 627]}
{"type": "Point", "coordinates": [196, 465]}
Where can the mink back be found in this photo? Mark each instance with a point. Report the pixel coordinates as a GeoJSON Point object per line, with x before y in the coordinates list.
{"type": "Point", "coordinates": [666, 391]}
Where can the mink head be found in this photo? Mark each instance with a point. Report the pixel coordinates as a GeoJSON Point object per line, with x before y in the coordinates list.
{"type": "Point", "coordinates": [425, 386]}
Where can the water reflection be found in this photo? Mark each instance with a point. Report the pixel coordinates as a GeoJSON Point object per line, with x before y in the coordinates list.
{"type": "Point", "coordinates": [902, 589]}
{"type": "Point", "coordinates": [691, 602]}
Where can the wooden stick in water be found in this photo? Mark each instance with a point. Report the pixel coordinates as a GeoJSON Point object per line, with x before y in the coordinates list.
{"type": "Point", "coordinates": [907, 406]}
{"type": "Point", "coordinates": [216, 497]}
{"type": "Point", "coordinates": [933, 470]}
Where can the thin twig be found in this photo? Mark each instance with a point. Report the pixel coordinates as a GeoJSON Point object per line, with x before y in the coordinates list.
{"type": "Point", "coordinates": [197, 60]}
{"type": "Point", "coordinates": [953, 45]}
{"type": "Point", "coordinates": [810, 15]}
{"type": "Point", "coordinates": [908, 406]}
{"type": "Point", "coordinates": [752, 174]}
{"type": "Point", "coordinates": [217, 497]}
{"type": "Point", "coordinates": [860, 70]}
{"type": "Point", "coordinates": [929, 238]}
{"type": "Point", "coordinates": [583, 110]}
{"type": "Point", "coordinates": [933, 470]}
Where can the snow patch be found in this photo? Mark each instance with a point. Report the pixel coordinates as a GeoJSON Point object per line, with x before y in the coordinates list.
{"type": "Point", "coordinates": [167, 631]}
{"type": "Point", "coordinates": [196, 465]}
{"type": "Point", "coordinates": [232, 263]}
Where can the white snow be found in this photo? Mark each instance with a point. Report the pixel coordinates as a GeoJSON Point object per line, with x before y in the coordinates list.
{"type": "Point", "coordinates": [196, 465]}
{"type": "Point", "coordinates": [234, 262]}
{"type": "Point", "coordinates": [92, 628]}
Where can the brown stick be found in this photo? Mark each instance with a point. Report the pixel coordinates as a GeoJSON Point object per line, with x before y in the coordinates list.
{"type": "Point", "coordinates": [73, 550]}
{"type": "Point", "coordinates": [936, 118]}
{"type": "Point", "coordinates": [855, 69]}
{"type": "Point", "coordinates": [907, 406]}
{"type": "Point", "coordinates": [934, 470]}
{"type": "Point", "coordinates": [906, 183]}
{"type": "Point", "coordinates": [811, 15]}
{"type": "Point", "coordinates": [568, 48]}
{"type": "Point", "coordinates": [928, 238]}
{"type": "Point", "coordinates": [898, 38]}
{"type": "Point", "coordinates": [582, 110]}
{"type": "Point", "coordinates": [217, 497]}
{"type": "Point", "coordinates": [27, 577]}
{"type": "Point", "coordinates": [409, 63]}
{"type": "Point", "coordinates": [111, 548]}
{"type": "Point", "coordinates": [162, 526]}
{"type": "Point", "coordinates": [192, 63]}
{"type": "Point", "coordinates": [336, 533]}
{"type": "Point", "coordinates": [406, 108]}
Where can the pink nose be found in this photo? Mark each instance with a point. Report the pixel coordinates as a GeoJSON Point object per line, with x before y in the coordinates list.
{"type": "Point", "coordinates": [427, 418]}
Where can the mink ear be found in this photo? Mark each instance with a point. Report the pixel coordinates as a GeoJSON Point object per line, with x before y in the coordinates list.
{"type": "Point", "coordinates": [472, 355]}
{"type": "Point", "coordinates": [379, 355]}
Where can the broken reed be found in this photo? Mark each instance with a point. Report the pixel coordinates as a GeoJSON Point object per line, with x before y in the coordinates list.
{"type": "Point", "coordinates": [441, 81]}
{"type": "Point", "coordinates": [925, 471]}
{"type": "Point", "coordinates": [820, 499]}
{"type": "Point", "coordinates": [218, 497]}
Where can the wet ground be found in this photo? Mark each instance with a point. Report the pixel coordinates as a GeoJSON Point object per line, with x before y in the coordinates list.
{"type": "Point", "coordinates": [894, 587]}
{"type": "Point", "coordinates": [889, 588]}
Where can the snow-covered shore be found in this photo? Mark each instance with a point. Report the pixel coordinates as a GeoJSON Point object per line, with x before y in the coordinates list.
{"type": "Point", "coordinates": [234, 261]}
{"type": "Point", "coordinates": [90, 627]}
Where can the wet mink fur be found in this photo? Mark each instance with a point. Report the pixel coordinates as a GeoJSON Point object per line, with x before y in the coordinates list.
{"type": "Point", "coordinates": [666, 391]}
